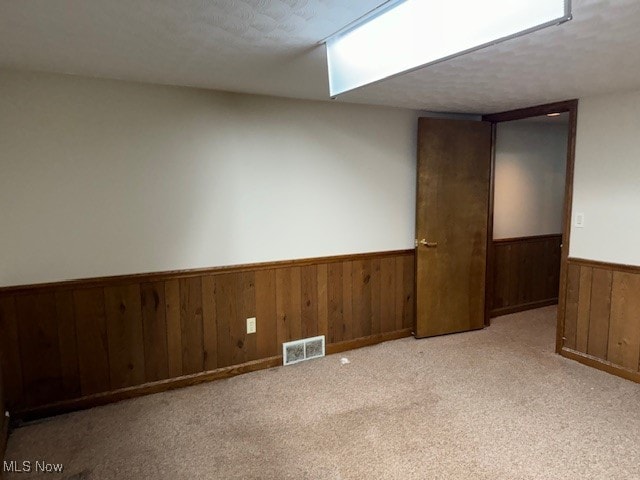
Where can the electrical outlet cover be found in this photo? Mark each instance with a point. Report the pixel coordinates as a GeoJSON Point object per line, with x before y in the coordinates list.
{"type": "Point", "coordinates": [251, 325]}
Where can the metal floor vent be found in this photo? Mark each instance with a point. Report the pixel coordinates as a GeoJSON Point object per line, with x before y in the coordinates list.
{"type": "Point", "coordinates": [301, 350]}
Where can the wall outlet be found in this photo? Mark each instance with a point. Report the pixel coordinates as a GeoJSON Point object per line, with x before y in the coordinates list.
{"type": "Point", "coordinates": [251, 325]}
{"type": "Point", "coordinates": [579, 220]}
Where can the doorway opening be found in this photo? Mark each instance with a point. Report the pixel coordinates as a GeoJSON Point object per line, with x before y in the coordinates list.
{"type": "Point", "coordinates": [530, 167]}
{"type": "Point", "coordinates": [530, 209]}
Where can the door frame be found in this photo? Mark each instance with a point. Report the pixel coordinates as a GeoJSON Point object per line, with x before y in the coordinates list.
{"type": "Point", "coordinates": [570, 106]}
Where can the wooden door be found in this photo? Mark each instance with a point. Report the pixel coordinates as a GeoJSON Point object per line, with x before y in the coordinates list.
{"type": "Point", "coordinates": [454, 166]}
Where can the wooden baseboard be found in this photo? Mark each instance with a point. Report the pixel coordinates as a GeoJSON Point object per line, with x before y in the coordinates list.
{"type": "Point", "coordinates": [113, 396]}
{"type": "Point", "coordinates": [367, 341]}
{"type": "Point", "coordinates": [100, 399]}
{"type": "Point", "coordinates": [600, 364]}
{"type": "Point", "coordinates": [521, 308]}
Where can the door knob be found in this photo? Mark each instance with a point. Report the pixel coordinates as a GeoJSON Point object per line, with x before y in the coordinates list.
{"type": "Point", "coordinates": [428, 244]}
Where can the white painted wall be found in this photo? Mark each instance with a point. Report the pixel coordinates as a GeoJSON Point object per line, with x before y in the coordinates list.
{"type": "Point", "coordinates": [531, 160]}
{"type": "Point", "coordinates": [103, 177]}
{"type": "Point", "coordinates": [607, 179]}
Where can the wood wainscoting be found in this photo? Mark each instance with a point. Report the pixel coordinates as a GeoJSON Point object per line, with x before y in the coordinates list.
{"type": "Point", "coordinates": [602, 317]}
{"type": "Point", "coordinates": [4, 425]}
{"type": "Point", "coordinates": [77, 344]}
{"type": "Point", "coordinates": [525, 273]}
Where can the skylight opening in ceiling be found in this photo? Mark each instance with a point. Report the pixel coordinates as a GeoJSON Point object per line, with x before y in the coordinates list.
{"type": "Point", "coordinates": [415, 33]}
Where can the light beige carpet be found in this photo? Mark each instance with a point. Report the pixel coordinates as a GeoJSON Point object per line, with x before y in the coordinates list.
{"type": "Point", "coordinates": [493, 404]}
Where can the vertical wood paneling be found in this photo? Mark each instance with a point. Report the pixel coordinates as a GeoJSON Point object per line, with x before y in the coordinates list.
{"type": "Point", "coordinates": [124, 335]}
{"type": "Point", "coordinates": [323, 300]}
{"type": "Point", "coordinates": [335, 294]}
{"type": "Point", "coordinates": [266, 314]}
{"type": "Point", "coordinates": [600, 311]}
{"type": "Point", "coordinates": [387, 294]}
{"type": "Point", "coordinates": [525, 272]}
{"type": "Point", "coordinates": [400, 293]}
{"type": "Point", "coordinates": [534, 271]}
{"type": "Point", "coordinates": [361, 298]}
{"type": "Point", "coordinates": [309, 300]}
{"type": "Point", "coordinates": [289, 304]}
{"type": "Point", "coordinates": [235, 302]}
{"type": "Point", "coordinates": [603, 301]}
{"type": "Point", "coordinates": [408, 281]}
{"type": "Point", "coordinates": [244, 345]}
{"type": "Point", "coordinates": [10, 352]}
{"type": "Point", "coordinates": [624, 330]}
{"type": "Point", "coordinates": [191, 325]}
{"type": "Point", "coordinates": [502, 261]}
{"type": "Point", "coordinates": [79, 340]}
{"type": "Point", "coordinates": [174, 328]}
{"type": "Point", "coordinates": [91, 330]}
{"type": "Point", "coordinates": [523, 268]}
{"type": "Point", "coordinates": [584, 309]}
{"type": "Point", "coordinates": [4, 421]}
{"type": "Point", "coordinates": [39, 348]}
{"type": "Point", "coordinates": [347, 301]}
{"type": "Point", "coordinates": [571, 315]}
{"type": "Point", "coordinates": [209, 323]}
{"type": "Point", "coordinates": [553, 269]}
{"type": "Point", "coordinates": [514, 274]}
{"type": "Point", "coordinates": [67, 344]}
{"type": "Point", "coordinates": [226, 313]}
{"type": "Point", "coordinates": [154, 330]}
{"type": "Point", "coordinates": [376, 290]}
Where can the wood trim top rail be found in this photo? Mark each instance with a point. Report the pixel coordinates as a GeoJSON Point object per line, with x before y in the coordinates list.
{"type": "Point", "coordinates": [166, 275]}
{"type": "Point", "coordinates": [533, 238]}
{"type": "Point", "coordinates": [620, 267]}
{"type": "Point", "coordinates": [536, 111]}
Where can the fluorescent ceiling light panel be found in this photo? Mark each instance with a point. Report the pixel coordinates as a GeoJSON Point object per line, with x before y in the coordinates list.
{"type": "Point", "coordinates": [415, 33]}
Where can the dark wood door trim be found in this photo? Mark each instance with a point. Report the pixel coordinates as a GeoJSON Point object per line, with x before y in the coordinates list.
{"type": "Point", "coordinates": [570, 106]}
{"type": "Point", "coordinates": [488, 284]}
{"type": "Point", "coordinates": [538, 110]}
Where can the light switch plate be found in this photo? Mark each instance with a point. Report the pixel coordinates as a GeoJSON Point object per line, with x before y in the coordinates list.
{"type": "Point", "coordinates": [579, 223]}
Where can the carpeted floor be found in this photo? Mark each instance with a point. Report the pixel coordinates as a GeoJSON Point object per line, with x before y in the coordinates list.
{"type": "Point", "coordinates": [493, 404]}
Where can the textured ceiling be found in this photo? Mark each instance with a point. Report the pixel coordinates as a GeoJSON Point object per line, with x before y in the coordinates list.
{"type": "Point", "coordinates": [270, 47]}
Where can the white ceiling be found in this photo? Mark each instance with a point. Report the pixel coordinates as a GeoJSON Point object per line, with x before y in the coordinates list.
{"type": "Point", "coordinates": [270, 47]}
